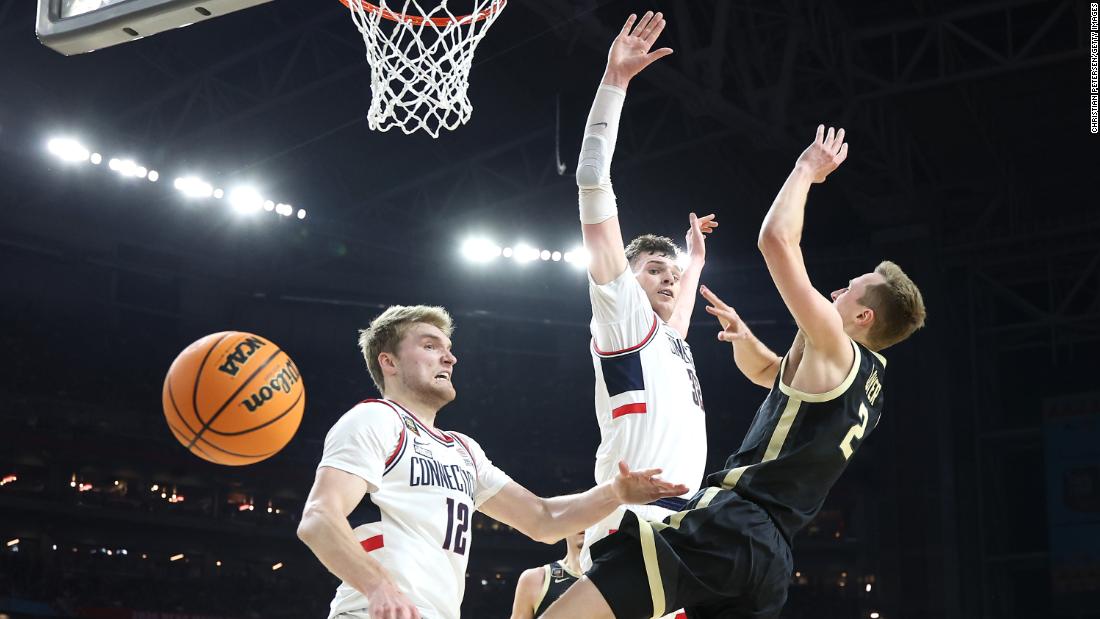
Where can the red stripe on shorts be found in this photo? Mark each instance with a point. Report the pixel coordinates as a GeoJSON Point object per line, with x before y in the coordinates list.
{"type": "Point", "coordinates": [628, 409]}
{"type": "Point", "coordinates": [372, 543]}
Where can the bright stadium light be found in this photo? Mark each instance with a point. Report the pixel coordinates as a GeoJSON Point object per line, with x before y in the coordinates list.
{"type": "Point", "coordinates": [525, 253]}
{"type": "Point", "coordinates": [285, 210]}
{"type": "Point", "coordinates": [246, 200]}
{"type": "Point", "coordinates": [507, 253]}
{"type": "Point", "coordinates": [68, 149]}
{"type": "Point", "coordinates": [544, 254]}
{"type": "Point", "coordinates": [218, 193]}
{"type": "Point", "coordinates": [301, 213]}
{"type": "Point", "coordinates": [194, 187]}
{"type": "Point", "coordinates": [556, 256]}
{"type": "Point", "coordinates": [479, 249]}
{"type": "Point", "coordinates": [578, 257]}
{"type": "Point", "coordinates": [96, 158]}
{"type": "Point", "coordinates": [683, 259]}
{"type": "Point", "coordinates": [114, 164]}
{"type": "Point", "coordinates": [269, 205]}
{"type": "Point", "coordinates": [153, 176]}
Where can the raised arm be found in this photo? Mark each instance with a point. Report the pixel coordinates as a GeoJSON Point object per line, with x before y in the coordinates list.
{"type": "Point", "coordinates": [629, 54]}
{"type": "Point", "coordinates": [780, 238]}
{"type": "Point", "coordinates": [325, 529]}
{"type": "Point", "coordinates": [696, 243]}
{"type": "Point", "coordinates": [755, 360]}
{"type": "Point", "coordinates": [550, 520]}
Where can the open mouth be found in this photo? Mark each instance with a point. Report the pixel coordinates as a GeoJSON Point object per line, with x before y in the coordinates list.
{"type": "Point", "coordinates": [443, 376]}
{"type": "Point", "coordinates": [667, 293]}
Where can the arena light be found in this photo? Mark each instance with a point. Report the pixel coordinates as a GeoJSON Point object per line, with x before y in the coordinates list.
{"type": "Point", "coordinates": [277, 566]}
{"type": "Point", "coordinates": [874, 615]}
{"type": "Point", "coordinates": [8, 479]}
{"type": "Point", "coordinates": [218, 563]}
{"type": "Point", "coordinates": [506, 252]}
{"type": "Point", "coordinates": [96, 159]}
{"type": "Point", "coordinates": [246, 199]}
{"type": "Point", "coordinates": [153, 176]}
{"type": "Point", "coordinates": [13, 542]}
{"type": "Point", "coordinates": [480, 249]}
{"type": "Point", "coordinates": [285, 210]}
{"type": "Point", "coordinates": [868, 588]}
{"type": "Point", "coordinates": [219, 193]}
{"type": "Point", "coordinates": [578, 257]}
{"type": "Point", "coordinates": [556, 256]}
{"type": "Point", "coordinates": [269, 205]}
{"type": "Point", "coordinates": [544, 255]}
{"type": "Point", "coordinates": [301, 213]}
{"type": "Point", "coordinates": [524, 253]}
{"type": "Point", "coordinates": [68, 149]}
{"type": "Point", "coordinates": [193, 187]}
{"type": "Point", "coordinates": [176, 557]}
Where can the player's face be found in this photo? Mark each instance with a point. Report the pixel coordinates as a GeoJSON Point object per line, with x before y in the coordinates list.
{"type": "Point", "coordinates": [660, 278]}
{"type": "Point", "coordinates": [426, 365]}
{"type": "Point", "coordinates": [846, 300]}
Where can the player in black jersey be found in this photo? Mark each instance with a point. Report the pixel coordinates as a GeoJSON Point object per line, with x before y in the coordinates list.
{"type": "Point", "coordinates": [538, 587]}
{"type": "Point", "coordinates": [727, 555]}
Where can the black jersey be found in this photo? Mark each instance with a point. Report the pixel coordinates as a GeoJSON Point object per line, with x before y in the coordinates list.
{"type": "Point", "coordinates": [800, 443]}
{"type": "Point", "coordinates": [556, 579]}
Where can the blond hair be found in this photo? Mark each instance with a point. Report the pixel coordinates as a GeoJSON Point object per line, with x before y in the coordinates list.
{"type": "Point", "coordinates": [898, 306]}
{"type": "Point", "coordinates": [386, 331]}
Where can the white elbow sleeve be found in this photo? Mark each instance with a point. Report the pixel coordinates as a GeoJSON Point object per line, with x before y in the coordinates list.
{"type": "Point", "coordinates": [597, 198]}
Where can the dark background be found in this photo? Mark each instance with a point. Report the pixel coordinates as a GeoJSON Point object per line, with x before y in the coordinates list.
{"type": "Point", "coordinates": [971, 165]}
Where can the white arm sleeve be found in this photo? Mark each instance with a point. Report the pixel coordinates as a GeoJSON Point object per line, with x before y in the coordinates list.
{"type": "Point", "coordinates": [361, 440]}
{"type": "Point", "coordinates": [622, 316]}
{"type": "Point", "coordinates": [597, 198]}
{"type": "Point", "coordinates": [490, 479]}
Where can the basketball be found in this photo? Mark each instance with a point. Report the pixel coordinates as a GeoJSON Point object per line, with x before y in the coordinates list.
{"type": "Point", "coordinates": [233, 398]}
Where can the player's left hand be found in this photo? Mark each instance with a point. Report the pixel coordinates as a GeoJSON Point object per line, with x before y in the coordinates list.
{"type": "Point", "coordinates": [827, 152]}
{"type": "Point", "coordinates": [696, 238]}
{"type": "Point", "coordinates": [641, 487]}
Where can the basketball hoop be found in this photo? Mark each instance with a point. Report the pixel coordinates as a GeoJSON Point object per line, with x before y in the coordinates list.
{"type": "Point", "coordinates": [420, 61]}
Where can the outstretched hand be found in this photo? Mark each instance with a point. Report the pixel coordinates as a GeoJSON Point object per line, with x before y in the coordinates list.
{"type": "Point", "coordinates": [826, 153]}
{"type": "Point", "coordinates": [630, 51]}
{"type": "Point", "coordinates": [696, 240]}
{"type": "Point", "coordinates": [641, 487]}
{"type": "Point", "coordinates": [733, 328]}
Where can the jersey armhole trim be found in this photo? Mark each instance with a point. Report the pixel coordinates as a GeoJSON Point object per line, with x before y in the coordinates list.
{"type": "Point", "coordinates": [625, 351]}
{"type": "Point", "coordinates": [545, 587]}
{"type": "Point", "coordinates": [399, 449]}
{"type": "Point", "coordinates": [833, 393]}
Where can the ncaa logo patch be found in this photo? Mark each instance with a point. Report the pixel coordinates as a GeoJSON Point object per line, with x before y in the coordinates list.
{"type": "Point", "coordinates": [411, 425]}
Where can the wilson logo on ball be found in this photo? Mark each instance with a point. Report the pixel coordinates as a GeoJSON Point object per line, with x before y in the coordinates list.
{"type": "Point", "coordinates": [233, 398]}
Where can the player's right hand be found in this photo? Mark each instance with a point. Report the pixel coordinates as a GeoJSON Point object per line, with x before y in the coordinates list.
{"type": "Point", "coordinates": [387, 602]}
{"type": "Point", "coordinates": [733, 328]}
{"type": "Point", "coordinates": [630, 51]}
{"type": "Point", "coordinates": [827, 152]}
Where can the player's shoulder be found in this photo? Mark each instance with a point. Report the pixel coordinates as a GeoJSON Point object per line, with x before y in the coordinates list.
{"type": "Point", "coordinates": [372, 412]}
{"type": "Point", "coordinates": [532, 578]}
{"type": "Point", "coordinates": [466, 440]}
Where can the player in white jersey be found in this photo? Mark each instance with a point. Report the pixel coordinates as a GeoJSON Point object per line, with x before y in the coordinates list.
{"type": "Point", "coordinates": [648, 401]}
{"type": "Point", "coordinates": [408, 559]}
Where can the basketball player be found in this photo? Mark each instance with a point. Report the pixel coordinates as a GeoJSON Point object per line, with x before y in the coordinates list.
{"type": "Point", "coordinates": [538, 587]}
{"type": "Point", "coordinates": [648, 402]}
{"type": "Point", "coordinates": [408, 559]}
{"type": "Point", "coordinates": [728, 554]}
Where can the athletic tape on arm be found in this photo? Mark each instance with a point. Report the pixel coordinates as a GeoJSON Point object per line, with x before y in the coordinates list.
{"type": "Point", "coordinates": [597, 198]}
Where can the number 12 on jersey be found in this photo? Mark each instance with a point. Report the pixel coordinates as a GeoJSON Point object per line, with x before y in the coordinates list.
{"type": "Point", "coordinates": [458, 524]}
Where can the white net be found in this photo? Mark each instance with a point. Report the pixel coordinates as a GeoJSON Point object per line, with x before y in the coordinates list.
{"type": "Point", "coordinates": [420, 61]}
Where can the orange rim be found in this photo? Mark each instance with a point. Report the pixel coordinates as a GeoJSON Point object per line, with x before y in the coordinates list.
{"type": "Point", "coordinates": [417, 20]}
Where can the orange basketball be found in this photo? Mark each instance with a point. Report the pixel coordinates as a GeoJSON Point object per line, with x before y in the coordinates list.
{"type": "Point", "coordinates": [233, 398]}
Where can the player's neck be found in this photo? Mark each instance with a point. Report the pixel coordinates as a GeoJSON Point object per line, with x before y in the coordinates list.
{"type": "Point", "coordinates": [424, 411]}
{"type": "Point", "coordinates": [572, 563]}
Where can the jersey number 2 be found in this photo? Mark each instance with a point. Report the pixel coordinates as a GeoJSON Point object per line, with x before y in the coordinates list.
{"type": "Point", "coordinates": [458, 523]}
{"type": "Point", "coordinates": [856, 432]}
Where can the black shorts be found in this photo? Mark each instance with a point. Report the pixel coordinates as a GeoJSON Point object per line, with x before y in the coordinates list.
{"type": "Point", "coordinates": [720, 558]}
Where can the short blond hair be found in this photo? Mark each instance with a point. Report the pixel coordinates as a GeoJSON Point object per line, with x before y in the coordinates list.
{"type": "Point", "coordinates": [898, 305]}
{"type": "Point", "coordinates": [386, 331]}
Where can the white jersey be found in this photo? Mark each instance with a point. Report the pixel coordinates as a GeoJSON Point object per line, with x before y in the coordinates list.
{"type": "Point", "coordinates": [648, 402]}
{"type": "Point", "coordinates": [424, 486]}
